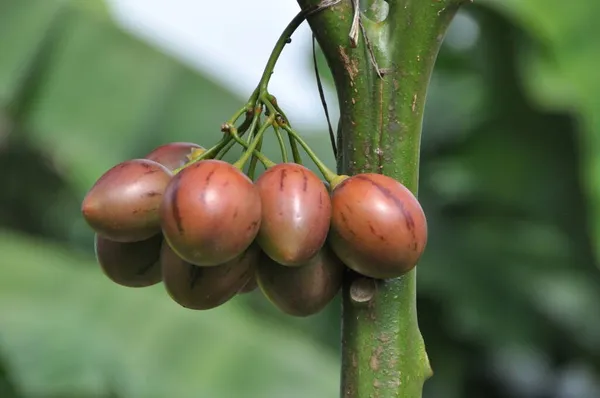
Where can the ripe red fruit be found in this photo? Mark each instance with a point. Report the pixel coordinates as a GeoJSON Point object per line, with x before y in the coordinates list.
{"type": "Point", "coordinates": [173, 155]}
{"type": "Point", "coordinates": [210, 213]}
{"type": "Point", "coordinates": [134, 264]}
{"type": "Point", "coordinates": [296, 212]}
{"type": "Point", "coordinates": [203, 288]}
{"type": "Point", "coordinates": [305, 290]}
{"type": "Point", "coordinates": [378, 227]}
{"type": "Point", "coordinates": [123, 204]}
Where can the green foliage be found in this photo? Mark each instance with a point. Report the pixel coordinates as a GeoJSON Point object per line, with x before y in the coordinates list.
{"type": "Point", "coordinates": [561, 72]}
{"type": "Point", "coordinates": [72, 331]}
{"type": "Point", "coordinates": [509, 181]}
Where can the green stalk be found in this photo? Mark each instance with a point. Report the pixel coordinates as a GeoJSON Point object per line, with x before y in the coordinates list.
{"type": "Point", "coordinates": [272, 101]}
{"type": "Point", "coordinates": [381, 112]}
{"type": "Point", "coordinates": [285, 38]}
{"type": "Point", "coordinates": [282, 149]}
{"type": "Point", "coordinates": [251, 149]}
{"type": "Point", "coordinates": [329, 175]}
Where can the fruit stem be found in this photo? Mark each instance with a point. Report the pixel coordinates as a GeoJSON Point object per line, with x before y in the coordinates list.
{"type": "Point", "coordinates": [272, 102]}
{"type": "Point", "coordinates": [329, 175]}
{"type": "Point", "coordinates": [251, 149]}
{"type": "Point", "coordinates": [381, 84]}
{"type": "Point", "coordinates": [225, 149]}
{"type": "Point", "coordinates": [285, 38]}
{"type": "Point", "coordinates": [295, 151]}
{"type": "Point", "coordinates": [254, 161]}
{"type": "Point", "coordinates": [284, 156]}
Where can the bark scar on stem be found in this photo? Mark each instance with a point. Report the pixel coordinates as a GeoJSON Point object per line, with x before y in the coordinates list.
{"type": "Point", "coordinates": [374, 362]}
{"type": "Point", "coordinates": [350, 65]}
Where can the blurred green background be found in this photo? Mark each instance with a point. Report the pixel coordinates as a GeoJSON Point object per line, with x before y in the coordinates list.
{"type": "Point", "coordinates": [509, 287]}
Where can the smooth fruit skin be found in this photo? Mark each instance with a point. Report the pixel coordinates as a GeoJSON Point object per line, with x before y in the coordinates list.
{"type": "Point", "coordinates": [305, 290]}
{"type": "Point", "coordinates": [123, 204]}
{"type": "Point", "coordinates": [134, 264]}
{"type": "Point", "coordinates": [211, 213]}
{"type": "Point", "coordinates": [173, 155]}
{"type": "Point", "coordinates": [378, 227]}
{"type": "Point", "coordinates": [296, 213]}
{"type": "Point", "coordinates": [203, 288]}
{"type": "Point", "coordinates": [250, 286]}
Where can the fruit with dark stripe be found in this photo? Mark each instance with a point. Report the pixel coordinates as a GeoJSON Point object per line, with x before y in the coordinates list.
{"type": "Point", "coordinates": [173, 155]}
{"type": "Point", "coordinates": [211, 213]}
{"type": "Point", "coordinates": [378, 227]}
{"type": "Point", "coordinates": [123, 204]}
{"type": "Point", "coordinates": [305, 290]}
{"type": "Point", "coordinates": [134, 264]}
{"type": "Point", "coordinates": [296, 212]}
{"type": "Point", "coordinates": [203, 288]}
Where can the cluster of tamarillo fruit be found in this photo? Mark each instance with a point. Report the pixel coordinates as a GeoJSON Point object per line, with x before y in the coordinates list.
{"type": "Point", "coordinates": [208, 232]}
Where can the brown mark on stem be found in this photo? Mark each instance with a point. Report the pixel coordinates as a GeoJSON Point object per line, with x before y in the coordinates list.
{"type": "Point", "coordinates": [351, 66]}
{"type": "Point", "coordinates": [375, 359]}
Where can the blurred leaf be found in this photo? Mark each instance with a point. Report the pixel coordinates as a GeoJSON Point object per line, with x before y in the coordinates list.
{"type": "Point", "coordinates": [23, 25]}
{"type": "Point", "coordinates": [67, 329]}
{"type": "Point", "coordinates": [563, 72]}
{"type": "Point", "coordinates": [104, 95]}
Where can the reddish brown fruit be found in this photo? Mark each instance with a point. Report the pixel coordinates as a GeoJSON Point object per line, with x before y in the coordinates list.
{"type": "Point", "coordinates": [134, 264]}
{"type": "Point", "coordinates": [378, 227]}
{"type": "Point", "coordinates": [123, 204]}
{"type": "Point", "coordinates": [210, 213]}
{"type": "Point", "coordinates": [250, 286]}
{"type": "Point", "coordinates": [173, 155]}
{"type": "Point", "coordinates": [203, 288]}
{"type": "Point", "coordinates": [301, 291]}
{"type": "Point", "coordinates": [296, 213]}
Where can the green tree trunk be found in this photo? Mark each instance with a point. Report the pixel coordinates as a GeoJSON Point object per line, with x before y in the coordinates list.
{"type": "Point", "coordinates": [379, 131]}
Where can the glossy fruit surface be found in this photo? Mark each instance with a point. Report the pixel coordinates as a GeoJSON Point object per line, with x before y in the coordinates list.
{"type": "Point", "coordinates": [251, 285]}
{"type": "Point", "coordinates": [305, 290]}
{"type": "Point", "coordinates": [378, 227]}
{"type": "Point", "coordinates": [173, 155]}
{"type": "Point", "coordinates": [123, 204]}
{"type": "Point", "coordinates": [134, 264]}
{"type": "Point", "coordinates": [211, 213]}
{"type": "Point", "coordinates": [203, 288]}
{"type": "Point", "coordinates": [296, 213]}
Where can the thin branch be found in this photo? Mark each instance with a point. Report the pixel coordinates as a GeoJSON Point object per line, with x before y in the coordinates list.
{"type": "Point", "coordinates": [322, 96]}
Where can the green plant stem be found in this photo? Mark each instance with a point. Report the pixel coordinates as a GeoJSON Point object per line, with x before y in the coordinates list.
{"type": "Point", "coordinates": [254, 161]}
{"type": "Point", "coordinates": [381, 112]}
{"type": "Point", "coordinates": [285, 39]}
{"type": "Point", "coordinates": [251, 149]}
{"type": "Point", "coordinates": [329, 175]}
{"type": "Point", "coordinates": [269, 101]}
{"type": "Point", "coordinates": [282, 149]}
{"type": "Point", "coordinates": [295, 150]}
{"type": "Point", "coordinates": [272, 101]}
{"type": "Point", "coordinates": [225, 149]}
